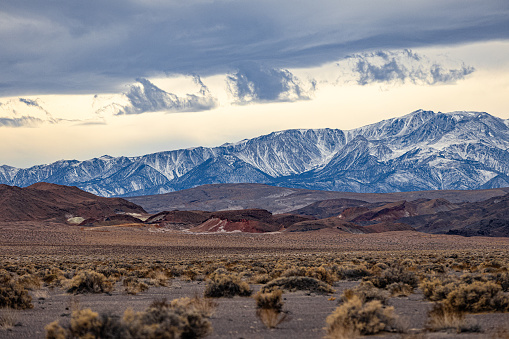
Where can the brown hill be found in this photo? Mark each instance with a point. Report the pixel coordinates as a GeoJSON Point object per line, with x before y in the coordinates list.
{"type": "Point", "coordinates": [374, 213]}
{"type": "Point", "coordinates": [329, 208]}
{"type": "Point", "coordinates": [118, 219]}
{"type": "Point", "coordinates": [347, 227]}
{"type": "Point", "coordinates": [283, 200]}
{"type": "Point", "coordinates": [42, 201]}
{"type": "Point", "coordinates": [248, 220]}
{"type": "Point", "coordinates": [484, 218]}
{"type": "Point", "coordinates": [179, 220]}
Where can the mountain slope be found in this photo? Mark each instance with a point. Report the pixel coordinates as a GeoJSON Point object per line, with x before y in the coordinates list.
{"type": "Point", "coordinates": [292, 200]}
{"type": "Point", "coordinates": [43, 201]}
{"type": "Point", "coordinates": [422, 150]}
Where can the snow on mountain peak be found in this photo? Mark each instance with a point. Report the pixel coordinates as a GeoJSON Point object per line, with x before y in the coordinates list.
{"type": "Point", "coordinates": [420, 150]}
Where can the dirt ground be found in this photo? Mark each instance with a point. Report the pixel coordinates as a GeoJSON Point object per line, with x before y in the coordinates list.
{"type": "Point", "coordinates": [234, 317]}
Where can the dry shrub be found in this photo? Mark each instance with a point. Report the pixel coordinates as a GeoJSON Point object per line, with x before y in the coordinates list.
{"type": "Point", "coordinates": [400, 289]}
{"type": "Point", "coordinates": [366, 292]}
{"type": "Point", "coordinates": [478, 297]}
{"type": "Point", "coordinates": [293, 272]}
{"type": "Point", "coordinates": [298, 283]}
{"type": "Point", "coordinates": [443, 317]}
{"type": "Point", "coordinates": [320, 273]}
{"type": "Point", "coordinates": [181, 318]}
{"type": "Point", "coordinates": [55, 331]}
{"type": "Point", "coordinates": [30, 281]}
{"type": "Point", "coordinates": [355, 318]}
{"type": "Point", "coordinates": [436, 289]}
{"type": "Point", "coordinates": [205, 306]}
{"type": "Point", "coordinates": [352, 272]}
{"type": "Point", "coordinates": [89, 282]}
{"type": "Point", "coordinates": [503, 280]}
{"type": "Point", "coordinates": [132, 285]}
{"type": "Point", "coordinates": [158, 278]}
{"type": "Point", "coordinates": [394, 275]}
{"type": "Point", "coordinates": [269, 308]}
{"type": "Point", "coordinates": [13, 295]}
{"type": "Point", "coordinates": [260, 278]}
{"type": "Point", "coordinates": [271, 300]}
{"type": "Point", "coordinates": [178, 319]}
{"type": "Point", "coordinates": [53, 277]}
{"type": "Point", "coordinates": [222, 284]}
{"type": "Point", "coordinates": [85, 322]}
{"type": "Point", "coordinates": [88, 324]}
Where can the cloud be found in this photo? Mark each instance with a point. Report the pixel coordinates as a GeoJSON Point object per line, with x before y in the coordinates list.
{"type": "Point", "coordinates": [254, 83]}
{"type": "Point", "coordinates": [20, 122]}
{"type": "Point", "coordinates": [144, 96]}
{"type": "Point", "coordinates": [22, 112]}
{"type": "Point", "coordinates": [403, 67]}
{"type": "Point", "coordinates": [92, 123]}
{"type": "Point", "coordinates": [95, 46]}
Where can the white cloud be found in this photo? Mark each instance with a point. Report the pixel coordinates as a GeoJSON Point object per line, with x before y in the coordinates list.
{"type": "Point", "coordinates": [144, 96]}
{"type": "Point", "coordinates": [399, 67]}
{"type": "Point", "coordinates": [255, 83]}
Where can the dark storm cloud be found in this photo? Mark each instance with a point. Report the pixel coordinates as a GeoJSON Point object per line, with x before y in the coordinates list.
{"type": "Point", "coordinates": [406, 66]}
{"type": "Point", "coordinates": [144, 96]}
{"type": "Point", "coordinates": [254, 83]}
{"type": "Point", "coordinates": [94, 46]}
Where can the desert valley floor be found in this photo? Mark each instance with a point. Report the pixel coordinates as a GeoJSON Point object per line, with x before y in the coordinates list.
{"type": "Point", "coordinates": [187, 259]}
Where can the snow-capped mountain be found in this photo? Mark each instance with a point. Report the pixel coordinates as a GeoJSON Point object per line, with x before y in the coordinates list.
{"type": "Point", "coordinates": [419, 151]}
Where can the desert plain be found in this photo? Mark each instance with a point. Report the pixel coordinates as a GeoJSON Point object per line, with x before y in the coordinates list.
{"type": "Point", "coordinates": [171, 264]}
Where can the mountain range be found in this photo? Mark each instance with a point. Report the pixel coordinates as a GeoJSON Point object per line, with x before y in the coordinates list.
{"type": "Point", "coordinates": [422, 150]}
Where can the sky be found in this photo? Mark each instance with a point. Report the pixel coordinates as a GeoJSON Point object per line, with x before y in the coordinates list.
{"type": "Point", "coordinates": [81, 79]}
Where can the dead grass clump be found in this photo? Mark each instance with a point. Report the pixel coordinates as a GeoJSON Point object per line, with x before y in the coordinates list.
{"type": "Point", "coordinates": [132, 285]}
{"type": "Point", "coordinates": [222, 284]}
{"type": "Point", "coordinates": [478, 297]}
{"type": "Point", "coordinates": [355, 318]}
{"type": "Point", "coordinates": [270, 317]}
{"type": "Point", "coordinates": [298, 283]}
{"type": "Point", "coordinates": [366, 292]}
{"type": "Point", "coordinates": [89, 282]}
{"type": "Point", "coordinates": [7, 319]}
{"type": "Point", "coordinates": [443, 317]}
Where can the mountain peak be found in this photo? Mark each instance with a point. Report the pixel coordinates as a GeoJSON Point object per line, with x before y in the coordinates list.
{"type": "Point", "coordinates": [418, 151]}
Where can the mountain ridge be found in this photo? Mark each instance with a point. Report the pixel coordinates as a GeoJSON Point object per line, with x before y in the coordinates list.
{"type": "Point", "coordinates": [422, 150]}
